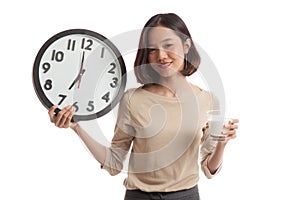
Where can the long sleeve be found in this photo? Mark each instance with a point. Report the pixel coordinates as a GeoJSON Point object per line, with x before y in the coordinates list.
{"type": "Point", "coordinates": [149, 141]}
{"type": "Point", "coordinates": [123, 137]}
{"type": "Point", "coordinates": [208, 145]}
{"type": "Point", "coordinates": [207, 148]}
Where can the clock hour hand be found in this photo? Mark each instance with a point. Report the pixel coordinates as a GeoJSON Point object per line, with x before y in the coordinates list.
{"type": "Point", "coordinates": [77, 79]}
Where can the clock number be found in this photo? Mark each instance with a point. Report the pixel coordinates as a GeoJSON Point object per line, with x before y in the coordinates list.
{"type": "Point", "coordinates": [62, 98]}
{"type": "Point", "coordinates": [48, 84]}
{"type": "Point", "coordinates": [112, 69]}
{"type": "Point", "coordinates": [57, 56]}
{"type": "Point", "coordinates": [102, 52]}
{"type": "Point", "coordinates": [89, 44]}
{"type": "Point", "coordinates": [75, 106]}
{"type": "Point", "coordinates": [106, 97]}
{"type": "Point", "coordinates": [91, 106]}
{"type": "Point", "coordinates": [71, 44]}
{"type": "Point", "coordinates": [114, 83]}
{"type": "Point", "coordinates": [46, 66]}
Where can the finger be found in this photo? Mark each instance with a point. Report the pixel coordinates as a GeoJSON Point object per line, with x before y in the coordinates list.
{"type": "Point", "coordinates": [205, 127]}
{"type": "Point", "coordinates": [232, 121]}
{"type": "Point", "coordinates": [231, 137]}
{"type": "Point", "coordinates": [231, 127]}
{"type": "Point", "coordinates": [229, 133]}
{"type": "Point", "coordinates": [60, 116]}
{"type": "Point", "coordinates": [68, 118]}
{"type": "Point", "coordinates": [51, 112]}
{"type": "Point", "coordinates": [65, 120]}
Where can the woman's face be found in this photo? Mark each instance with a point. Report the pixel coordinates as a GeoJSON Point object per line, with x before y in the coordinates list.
{"type": "Point", "coordinates": [166, 51]}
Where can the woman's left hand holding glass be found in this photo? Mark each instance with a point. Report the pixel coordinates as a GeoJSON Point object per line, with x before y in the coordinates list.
{"type": "Point", "coordinates": [229, 130]}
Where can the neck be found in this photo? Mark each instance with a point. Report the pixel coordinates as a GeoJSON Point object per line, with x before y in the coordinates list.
{"type": "Point", "coordinates": [173, 84]}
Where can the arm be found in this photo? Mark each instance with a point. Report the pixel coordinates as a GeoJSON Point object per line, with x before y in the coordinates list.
{"type": "Point", "coordinates": [111, 158]}
{"type": "Point", "coordinates": [212, 149]}
{"type": "Point", "coordinates": [63, 120]}
{"type": "Point", "coordinates": [97, 149]}
{"type": "Point", "coordinates": [215, 160]}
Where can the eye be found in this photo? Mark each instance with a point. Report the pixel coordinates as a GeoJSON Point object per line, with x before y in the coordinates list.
{"type": "Point", "coordinates": [168, 46]}
{"type": "Point", "coordinates": [151, 50]}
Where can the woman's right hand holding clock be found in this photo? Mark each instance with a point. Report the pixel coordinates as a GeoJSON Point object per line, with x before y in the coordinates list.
{"type": "Point", "coordinates": [63, 118]}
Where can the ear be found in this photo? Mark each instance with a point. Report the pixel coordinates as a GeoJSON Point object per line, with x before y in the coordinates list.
{"type": "Point", "coordinates": [186, 45]}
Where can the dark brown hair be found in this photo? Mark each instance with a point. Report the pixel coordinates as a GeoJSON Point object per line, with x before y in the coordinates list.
{"type": "Point", "coordinates": [143, 71]}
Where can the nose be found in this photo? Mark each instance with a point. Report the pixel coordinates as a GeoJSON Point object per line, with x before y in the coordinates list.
{"type": "Point", "coordinates": [162, 54]}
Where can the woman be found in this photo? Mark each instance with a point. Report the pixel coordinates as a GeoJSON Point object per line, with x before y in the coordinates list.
{"type": "Point", "coordinates": [163, 121]}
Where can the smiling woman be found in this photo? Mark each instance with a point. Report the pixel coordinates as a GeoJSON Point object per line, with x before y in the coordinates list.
{"type": "Point", "coordinates": [163, 121]}
{"type": "Point", "coordinates": [165, 35]}
{"type": "Point", "coordinates": [166, 51]}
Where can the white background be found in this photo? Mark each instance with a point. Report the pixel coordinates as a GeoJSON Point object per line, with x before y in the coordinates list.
{"type": "Point", "coordinates": [255, 46]}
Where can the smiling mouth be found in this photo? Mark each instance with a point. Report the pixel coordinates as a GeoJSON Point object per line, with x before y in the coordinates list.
{"type": "Point", "coordinates": [164, 65]}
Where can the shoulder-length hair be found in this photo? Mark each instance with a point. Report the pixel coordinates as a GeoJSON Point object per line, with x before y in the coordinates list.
{"type": "Point", "coordinates": [143, 71]}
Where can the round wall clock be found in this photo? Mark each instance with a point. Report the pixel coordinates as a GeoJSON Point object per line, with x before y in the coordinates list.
{"type": "Point", "coordinates": [81, 68]}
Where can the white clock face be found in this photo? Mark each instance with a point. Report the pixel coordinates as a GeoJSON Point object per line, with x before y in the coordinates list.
{"type": "Point", "coordinates": [83, 70]}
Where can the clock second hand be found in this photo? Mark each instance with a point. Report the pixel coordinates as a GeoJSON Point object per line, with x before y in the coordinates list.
{"type": "Point", "coordinates": [81, 69]}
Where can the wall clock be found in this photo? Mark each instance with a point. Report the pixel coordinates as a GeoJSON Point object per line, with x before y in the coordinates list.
{"type": "Point", "coordinates": [82, 68]}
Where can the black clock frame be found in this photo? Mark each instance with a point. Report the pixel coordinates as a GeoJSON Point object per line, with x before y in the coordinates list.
{"type": "Point", "coordinates": [36, 79]}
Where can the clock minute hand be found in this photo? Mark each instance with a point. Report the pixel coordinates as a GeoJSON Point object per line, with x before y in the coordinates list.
{"type": "Point", "coordinates": [81, 69]}
{"type": "Point", "coordinates": [81, 72]}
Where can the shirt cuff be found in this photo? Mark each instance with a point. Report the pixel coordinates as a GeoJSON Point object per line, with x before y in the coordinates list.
{"type": "Point", "coordinates": [106, 161]}
{"type": "Point", "coordinates": [206, 171]}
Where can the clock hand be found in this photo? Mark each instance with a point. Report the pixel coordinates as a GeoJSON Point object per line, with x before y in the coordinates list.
{"type": "Point", "coordinates": [76, 79]}
{"type": "Point", "coordinates": [81, 69]}
{"type": "Point", "coordinates": [81, 72]}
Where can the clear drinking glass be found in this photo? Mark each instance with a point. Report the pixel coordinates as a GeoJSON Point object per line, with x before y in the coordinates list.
{"type": "Point", "coordinates": [216, 122]}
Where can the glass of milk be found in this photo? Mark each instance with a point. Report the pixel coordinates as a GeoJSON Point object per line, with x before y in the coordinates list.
{"type": "Point", "coordinates": [216, 123]}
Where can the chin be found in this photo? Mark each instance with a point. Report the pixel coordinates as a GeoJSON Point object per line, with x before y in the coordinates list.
{"type": "Point", "coordinates": [166, 72]}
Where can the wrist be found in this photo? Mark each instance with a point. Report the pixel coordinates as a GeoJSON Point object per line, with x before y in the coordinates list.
{"type": "Point", "coordinates": [74, 126]}
{"type": "Point", "coordinates": [221, 145]}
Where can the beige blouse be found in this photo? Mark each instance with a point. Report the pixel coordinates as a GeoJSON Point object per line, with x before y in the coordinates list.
{"type": "Point", "coordinates": [163, 135]}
